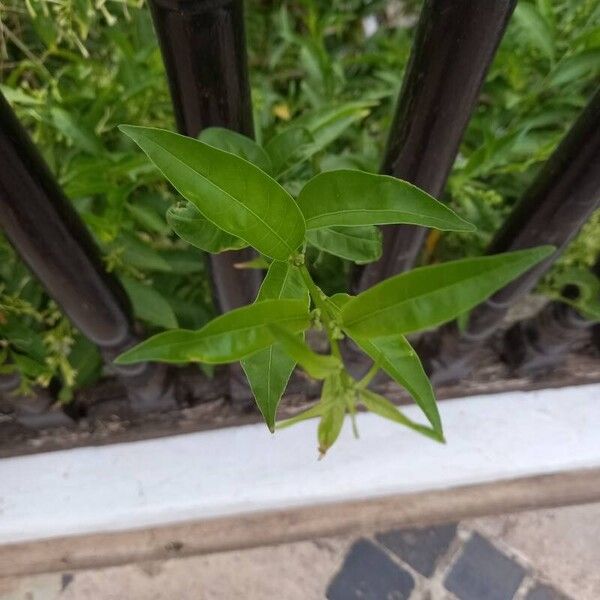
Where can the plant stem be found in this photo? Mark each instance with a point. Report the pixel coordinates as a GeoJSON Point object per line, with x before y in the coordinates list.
{"type": "Point", "coordinates": [366, 380]}
{"type": "Point", "coordinates": [335, 347]}
{"type": "Point", "coordinates": [352, 412]}
{"type": "Point", "coordinates": [319, 300]}
{"type": "Point", "coordinates": [315, 292]}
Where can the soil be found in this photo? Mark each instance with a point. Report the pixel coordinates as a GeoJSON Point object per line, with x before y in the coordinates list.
{"type": "Point", "coordinates": [103, 415]}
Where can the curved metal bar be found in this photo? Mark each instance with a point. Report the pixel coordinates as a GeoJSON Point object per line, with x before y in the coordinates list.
{"type": "Point", "coordinates": [50, 237]}
{"type": "Point", "coordinates": [540, 343]}
{"type": "Point", "coordinates": [454, 45]}
{"type": "Point", "coordinates": [204, 51]}
{"type": "Point", "coordinates": [552, 211]}
{"type": "Point", "coordinates": [52, 240]}
{"type": "Point", "coordinates": [560, 200]}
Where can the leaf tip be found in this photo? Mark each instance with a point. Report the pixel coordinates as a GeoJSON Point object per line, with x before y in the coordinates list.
{"type": "Point", "coordinates": [133, 132]}
{"type": "Point", "coordinates": [124, 359]}
{"type": "Point", "coordinates": [468, 226]}
{"type": "Point", "coordinates": [126, 129]}
{"type": "Point", "coordinates": [537, 254]}
{"type": "Point", "coordinates": [547, 249]}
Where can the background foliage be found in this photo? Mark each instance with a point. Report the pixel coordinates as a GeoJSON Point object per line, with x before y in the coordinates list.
{"type": "Point", "coordinates": [74, 69]}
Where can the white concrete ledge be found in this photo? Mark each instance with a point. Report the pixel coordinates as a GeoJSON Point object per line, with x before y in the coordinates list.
{"type": "Point", "coordinates": [244, 470]}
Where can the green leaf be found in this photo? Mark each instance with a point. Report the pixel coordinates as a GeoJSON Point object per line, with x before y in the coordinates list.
{"type": "Point", "coordinates": [190, 225]}
{"type": "Point", "coordinates": [19, 96]}
{"type": "Point", "coordinates": [310, 413]}
{"type": "Point", "coordinates": [347, 197]}
{"type": "Point", "coordinates": [269, 370]}
{"type": "Point", "coordinates": [429, 296]}
{"type": "Point", "coordinates": [384, 408]}
{"type": "Point", "coordinates": [238, 144]}
{"type": "Point", "coordinates": [184, 261]}
{"type": "Point", "coordinates": [148, 304]}
{"type": "Point", "coordinates": [359, 244]}
{"type": "Point", "coordinates": [327, 124]}
{"type": "Point", "coordinates": [23, 337]}
{"type": "Point", "coordinates": [283, 281]}
{"type": "Point", "coordinates": [73, 130]}
{"type": "Point", "coordinates": [337, 302]}
{"type": "Point", "coordinates": [229, 191]}
{"type": "Point", "coordinates": [258, 262]}
{"type": "Point", "coordinates": [85, 358]}
{"type": "Point", "coordinates": [316, 365]}
{"type": "Point", "coordinates": [535, 27]}
{"type": "Point", "coordinates": [575, 68]}
{"type": "Point", "coordinates": [547, 10]}
{"type": "Point", "coordinates": [397, 358]}
{"type": "Point", "coordinates": [140, 255]}
{"type": "Point", "coordinates": [290, 147]}
{"type": "Point", "coordinates": [29, 366]}
{"type": "Point", "coordinates": [148, 217]}
{"type": "Point", "coordinates": [228, 338]}
{"type": "Point", "coordinates": [330, 426]}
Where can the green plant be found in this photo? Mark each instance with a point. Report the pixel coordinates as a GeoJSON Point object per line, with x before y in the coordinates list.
{"type": "Point", "coordinates": [36, 340]}
{"type": "Point", "coordinates": [322, 86]}
{"type": "Point", "coordinates": [62, 64]}
{"type": "Point", "coordinates": [545, 71]}
{"type": "Point", "coordinates": [233, 201]}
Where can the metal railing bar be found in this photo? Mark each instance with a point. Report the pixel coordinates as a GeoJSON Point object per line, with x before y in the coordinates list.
{"type": "Point", "coordinates": [52, 240]}
{"type": "Point", "coordinates": [541, 342]}
{"type": "Point", "coordinates": [204, 51]}
{"type": "Point", "coordinates": [559, 202]}
{"type": "Point", "coordinates": [454, 45]}
{"type": "Point", "coordinates": [552, 211]}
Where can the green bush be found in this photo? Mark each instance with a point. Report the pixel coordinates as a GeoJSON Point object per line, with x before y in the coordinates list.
{"type": "Point", "coordinates": [74, 70]}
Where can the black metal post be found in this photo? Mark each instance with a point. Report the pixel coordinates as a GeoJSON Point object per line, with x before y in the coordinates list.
{"type": "Point", "coordinates": [454, 45]}
{"type": "Point", "coordinates": [52, 240]}
{"type": "Point", "coordinates": [561, 199]}
{"type": "Point", "coordinates": [204, 50]}
{"type": "Point", "coordinates": [552, 211]}
{"type": "Point", "coordinates": [38, 410]}
{"type": "Point", "coordinates": [540, 343]}
{"type": "Point", "coordinates": [9, 383]}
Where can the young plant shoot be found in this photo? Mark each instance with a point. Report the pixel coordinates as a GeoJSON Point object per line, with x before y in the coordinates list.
{"type": "Point", "coordinates": [234, 200]}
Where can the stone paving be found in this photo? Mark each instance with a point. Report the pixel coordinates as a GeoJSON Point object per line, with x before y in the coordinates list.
{"type": "Point", "coordinates": [540, 555]}
{"type": "Point", "coordinates": [435, 562]}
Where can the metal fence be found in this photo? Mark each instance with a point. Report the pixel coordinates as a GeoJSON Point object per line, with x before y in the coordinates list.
{"type": "Point", "coordinates": [203, 47]}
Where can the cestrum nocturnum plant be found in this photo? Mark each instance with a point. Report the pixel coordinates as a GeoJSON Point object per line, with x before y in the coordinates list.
{"type": "Point", "coordinates": [234, 200]}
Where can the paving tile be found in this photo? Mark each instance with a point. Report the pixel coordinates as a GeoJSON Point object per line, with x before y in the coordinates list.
{"type": "Point", "coordinates": [482, 572]}
{"type": "Point", "coordinates": [559, 543]}
{"type": "Point", "coordinates": [368, 573]}
{"type": "Point", "coordinates": [421, 548]}
{"type": "Point", "coordinates": [544, 592]}
{"type": "Point", "coordinates": [66, 580]}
